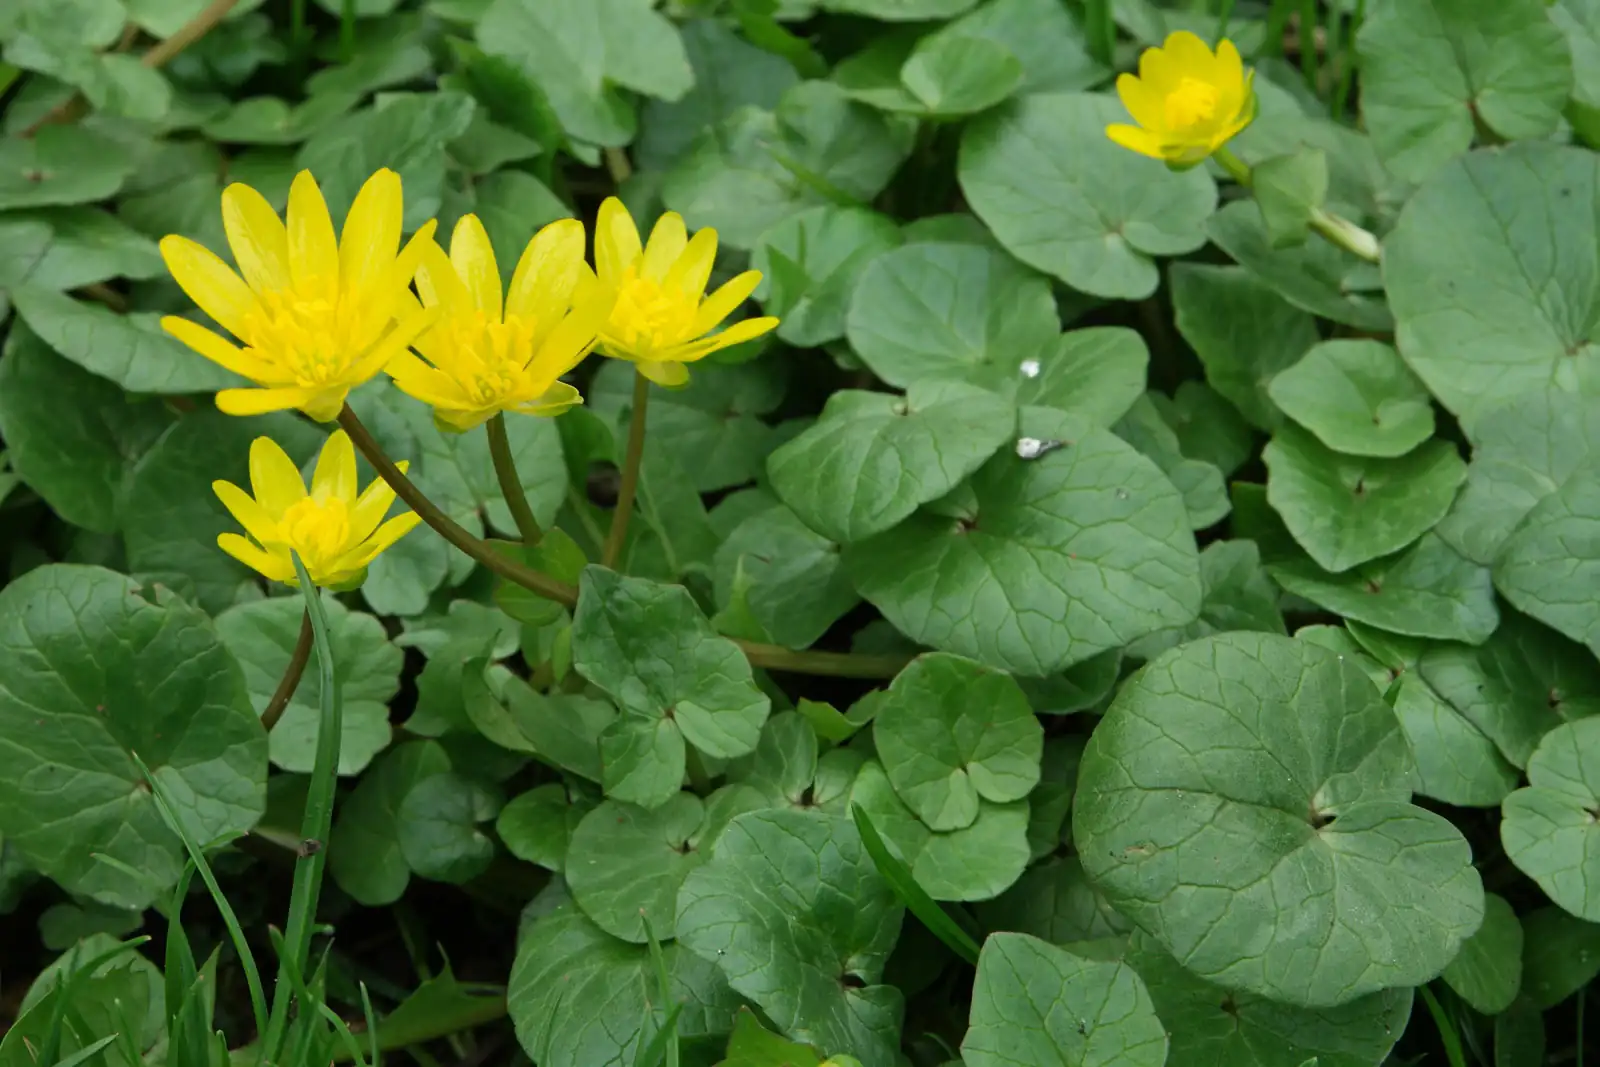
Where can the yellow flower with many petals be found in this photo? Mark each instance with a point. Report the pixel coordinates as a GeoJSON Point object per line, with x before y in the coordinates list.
{"type": "Point", "coordinates": [662, 316]}
{"type": "Point", "coordinates": [316, 314]}
{"type": "Point", "coordinates": [483, 358]}
{"type": "Point", "coordinates": [1188, 102]}
{"type": "Point", "coordinates": [336, 531]}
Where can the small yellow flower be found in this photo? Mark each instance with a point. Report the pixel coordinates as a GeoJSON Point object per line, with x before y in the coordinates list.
{"type": "Point", "coordinates": [1188, 103]}
{"type": "Point", "coordinates": [662, 316]}
{"type": "Point", "coordinates": [481, 358]}
{"type": "Point", "coordinates": [317, 315]}
{"type": "Point", "coordinates": [336, 531]}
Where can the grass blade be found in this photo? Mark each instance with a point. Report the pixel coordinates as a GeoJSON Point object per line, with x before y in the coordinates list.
{"type": "Point", "coordinates": [924, 907]}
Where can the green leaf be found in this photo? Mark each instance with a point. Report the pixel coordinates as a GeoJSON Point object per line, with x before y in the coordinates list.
{"type": "Point", "coordinates": [1346, 510]}
{"type": "Point", "coordinates": [794, 581]}
{"type": "Point", "coordinates": [1051, 802]}
{"type": "Point", "coordinates": [61, 164]}
{"type": "Point", "coordinates": [916, 448]}
{"type": "Point", "coordinates": [789, 907]}
{"type": "Point", "coordinates": [1212, 1025]}
{"type": "Point", "coordinates": [643, 51]}
{"type": "Point", "coordinates": [438, 828]}
{"type": "Point", "coordinates": [1205, 497]}
{"type": "Point", "coordinates": [1560, 955]}
{"type": "Point", "coordinates": [950, 731]}
{"type": "Point", "coordinates": [1096, 373]}
{"type": "Point", "coordinates": [1519, 1034]}
{"type": "Point", "coordinates": [1357, 397]}
{"type": "Point", "coordinates": [1426, 591]}
{"type": "Point", "coordinates": [1547, 565]}
{"type": "Point", "coordinates": [900, 10]}
{"type": "Point", "coordinates": [1054, 902]}
{"type": "Point", "coordinates": [649, 647]}
{"type": "Point", "coordinates": [513, 206]}
{"type": "Point", "coordinates": [1044, 36]}
{"type": "Point", "coordinates": [1272, 770]}
{"type": "Point", "coordinates": [810, 263]}
{"type": "Point", "coordinates": [1521, 683]}
{"type": "Point", "coordinates": [569, 42]}
{"type": "Point", "coordinates": [1239, 595]}
{"type": "Point", "coordinates": [70, 436]}
{"type": "Point", "coordinates": [131, 350]}
{"type": "Point", "coordinates": [1243, 332]}
{"type": "Point", "coordinates": [1479, 318]}
{"type": "Point", "coordinates": [262, 635]}
{"type": "Point", "coordinates": [1317, 276]}
{"type": "Point", "coordinates": [1456, 763]}
{"type": "Point", "coordinates": [1432, 71]}
{"type": "Point", "coordinates": [1550, 829]}
{"type": "Point", "coordinates": [268, 120]}
{"type": "Point", "coordinates": [1488, 972]}
{"type": "Point", "coordinates": [1061, 197]}
{"type": "Point", "coordinates": [756, 167]}
{"type": "Point", "coordinates": [364, 854]}
{"type": "Point", "coordinates": [980, 861]}
{"type": "Point", "coordinates": [1061, 557]}
{"type": "Point", "coordinates": [68, 247]}
{"type": "Point", "coordinates": [406, 132]}
{"type": "Point", "coordinates": [562, 729]}
{"type": "Point", "coordinates": [913, 896]}
{"type": "Point", "coordinates": [1035, 1003]}
{"type": "Point", "coordinates": [952, 311]}
{"type": "Point", "coordinates": [556, 555]}
{"type": "Point", "coordinates": [1289, 189]}
{"type": "Point", "coordinates": [121, 668]}
{"type": "Point", "coordinates": [578, 995]}
{"type": "Point", "coordinates": [627, 862]}
{"type": "Point", "coordinates": [950, 75]}
{"type": "Point", "coordinates": [538, 825]}
{"type": "Point", "coordinates": [753, 1045]}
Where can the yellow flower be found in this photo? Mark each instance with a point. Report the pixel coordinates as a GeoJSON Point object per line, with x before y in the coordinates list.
{"type": "Point", "coordinates": [336, 531]}
{"type": "Point", "coordinates": [662, 316]}
{"type": "Point", "coordinates": [1187, 102]}
{"type": "Point", "coordinates": [482, 359]}
{"type": "Point", "coordinates": [317, 315]}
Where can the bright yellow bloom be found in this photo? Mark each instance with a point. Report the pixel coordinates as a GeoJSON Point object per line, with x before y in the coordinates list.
{"type": "Point", "coordinates": [1187, 102]}
{"type": "Point", "coordinates": [662, 315]}
{"type": "Point", "coordinates": [336, 531]}
{"type": "Point", "coordinates": [482, 359]}
{"type": "Point", "coordinates": [317, 315]}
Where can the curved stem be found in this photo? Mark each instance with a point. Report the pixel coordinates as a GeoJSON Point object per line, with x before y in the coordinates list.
{"type": "Point", "coordinates": [630, 473]}
{"type": "Point", "coordinates": [1339, 231]}
{"type": "Point", "coordinates": [833, 664]}
{"type": "Point", "coordinates": [291, 676]}
{"type": "Point", "coordinates": [447, 527]}
{"type": "Point", "coordinates": [505, 469]}
{"type": "Point", "coordinates": [189, 33]}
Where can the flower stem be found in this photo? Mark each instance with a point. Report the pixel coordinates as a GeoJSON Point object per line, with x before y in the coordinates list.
{"type": "Point", "coordinates": [447, 527]}
{"type": "Point", "coordinates": [505, 469]}
{"type": "Point", "coordinates": [630, 473]}
{"type": "Point", "coordinates": [1335, 229]}
{"type": "Point", "coordinates": [833, 664]}
{"type": "Point", "coordinates": [291, 676]}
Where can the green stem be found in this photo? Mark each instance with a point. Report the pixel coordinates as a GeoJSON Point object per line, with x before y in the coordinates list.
{"type": "Point", "coordinates": [314, 827]}
{"type": "Point", "coordinates": [1347, 62]}
{"type": "Point", "coordinates": [291, 677]}
{"type": "Point", "coordinates": [630, 473]}
{"type": "Point", "coordinates": [448, 528]}
{"type": "Point", "coordinates": [1277, 23]}
{"type": "Point", "coordinates": [505, 469]}
{"type": "Point", "coordinates": [1333, 228]}
{"type": "Point", "coordinates": [832, 664]}
{"type": "Point", "coordinates": [1308, 44]}
{"type": "Point", "coordinates": [1447, 1032]}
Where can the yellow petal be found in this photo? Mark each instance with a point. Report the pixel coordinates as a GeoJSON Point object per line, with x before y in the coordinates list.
{"type": "Point", "coordinates": [248, 511]}
{"type": "Point", "coordinates": [548, 273]}
{"type": "Point", "coordinates": [1142, 141]}
{"type": "Point", "coordinates": [274, 478]}
{"type": "Point", "coordinates": [256, 234]}
{"type": "Point", "coordinates": [667, 241]}
{"type": "Point", "coordinates": [1158, 71]}
{"type": "Point", "coordinates": [1190, 55]}
{"type": "Point", "coordinates": [326, 403]}
{"type": "Point", "coordinates": [1230, 68]}
{"type": "Point", "coordinates": [440, 285]}
{"type": "Point", "coordinates": [210, 284]}
{"type": "Point", "coordinates": [411, 373]}
{"type": "Point", "coordinates": [261, 401]}
{"type": "Point", "coordinates": [392, 345]}
{"type": "Point", "coordinates": [720, 304]}
{"type": "Point", "coordinates": [273, 565]}
{"type": "Point", "coordinates": [573, 338]}
{"type": "Point", "coordinates": [313, 250]}
{"type": "Point", "coordinates": [616, 241]}
{"type": "Point", "coordinates": [335, 475]}
{"type": "Point", "coordinates": [693, 269]}
{"type": "Point", "coordinates": [667, 372]}
{"type": "Point", "coordinates": [242, 361]}
{"type": "Point", "coordinates": [558, 398]}
{"type": "Point", "coordinates": [473, 258]}
{"type": "Point", "coordinates": [736, 334]}
{"type": "Point", "coordinates": [371, 506]}
{"type": "Point", "coordinates": [388, 534]}
{"type": "Point", "coordinates": [371, 234]}
{"type": "Point", "coordinates": [1145, 106]}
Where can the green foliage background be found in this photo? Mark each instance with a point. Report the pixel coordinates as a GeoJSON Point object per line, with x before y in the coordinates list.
{"type": "Point", "coordinates": [1214, 613]}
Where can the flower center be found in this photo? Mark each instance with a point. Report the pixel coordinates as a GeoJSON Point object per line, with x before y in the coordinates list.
{"type": "Point", "coordinates": [491, 355]}
{"type": "Point", "coordinates": [318, 529]}
{"type": "Point", "coordinates": [1191, 103]}
{"type": "Point", "coordinates": [306, 336]}
{"type": "Point", "coordinates": [648, 315]}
